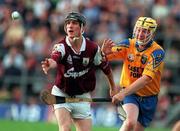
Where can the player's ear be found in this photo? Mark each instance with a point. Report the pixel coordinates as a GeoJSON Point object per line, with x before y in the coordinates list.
{"type": "Point", "coordinates": [82, 29]}
{"type": "Point", "coordinates": [153, 35]}
{"type": "Point", "coordinates": [65, 29]}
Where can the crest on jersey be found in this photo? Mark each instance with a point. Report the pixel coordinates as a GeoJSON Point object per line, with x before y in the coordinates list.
{"type": "Point", "coordinates": [144, 59]}
{"type": "Point", "coordinates": [118, 49]}
{"type": "Point", "coordinates": [85, 61]}
{"type": "Point", "coordinates": [130, 57]}
{"type": "Point", "coordinates": [69, 59]}
{"type": "Point", "coordinates": [56, 48]}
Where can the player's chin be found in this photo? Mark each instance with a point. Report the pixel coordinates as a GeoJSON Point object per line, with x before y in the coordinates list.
{"type": "Point", "coordinates": [71, 35]}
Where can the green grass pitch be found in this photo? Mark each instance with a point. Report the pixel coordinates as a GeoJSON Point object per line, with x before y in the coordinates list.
{"type": "Point", "coordinates": [7, 125]}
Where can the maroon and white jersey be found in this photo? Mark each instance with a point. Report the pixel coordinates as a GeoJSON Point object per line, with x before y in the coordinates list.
{"type": "Point", "coordinates": [76, 71]}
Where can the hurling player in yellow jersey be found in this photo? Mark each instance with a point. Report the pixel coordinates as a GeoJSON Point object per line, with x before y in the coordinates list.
{"type": "Point", "coordinates": [143, 61]}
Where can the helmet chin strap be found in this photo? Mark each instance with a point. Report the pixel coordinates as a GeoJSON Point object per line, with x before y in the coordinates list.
{"type": "Point", "coordinates": [76, 37]}
{"type": "Point", "coordinates": [140, 43]}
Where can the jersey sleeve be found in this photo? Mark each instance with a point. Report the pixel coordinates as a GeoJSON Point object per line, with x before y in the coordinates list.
{"type": "Point", "coordinates": [101, 63]}
{"type": "Point", "coordinates": [58, 52]}
{"type": "Point", "coordinates": [119, 50]}
{"type": "Point", "coordinates": [155, 64]}
{"type": "Point", "coordinates": [98, 57]}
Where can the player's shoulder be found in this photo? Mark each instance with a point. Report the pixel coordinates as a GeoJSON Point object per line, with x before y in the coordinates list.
{"type": "Point", "coordinates": [62, 41]}
{"type": "Point", "coordinates": [91, 43]}
{"type": "Point", "coordinates": [157, 50]}
{"type": "Point", "coordinates": [58, 45]}
{"type": "Point", "coordinates": [125, 43]}
{"type": "Point", "coordinates": [158, 55]}
{"type": "Point", "coordinates": [59, 42]}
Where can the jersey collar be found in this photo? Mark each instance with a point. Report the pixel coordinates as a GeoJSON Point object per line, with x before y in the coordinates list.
{"type": "Point", "coordinates": [147, 46]}
{"type": "Point", "coordinates": [83, 46]}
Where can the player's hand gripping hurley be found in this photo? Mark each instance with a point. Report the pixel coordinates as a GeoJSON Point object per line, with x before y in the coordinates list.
{"type": "Point", "coordinates": [50, 99]}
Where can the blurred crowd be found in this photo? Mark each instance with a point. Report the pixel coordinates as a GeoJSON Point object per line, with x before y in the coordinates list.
{"type": "Point", "coordinates": [27, 41]}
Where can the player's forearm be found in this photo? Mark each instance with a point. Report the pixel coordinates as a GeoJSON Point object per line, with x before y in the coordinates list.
{"type": "Point", "coordinates": [111, 80]}
{"type": "Point", "coordinates": [138, 84]}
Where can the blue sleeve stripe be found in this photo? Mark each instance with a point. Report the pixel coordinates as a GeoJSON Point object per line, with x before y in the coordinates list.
{"type": "Point", "coordinates": [124, 43]}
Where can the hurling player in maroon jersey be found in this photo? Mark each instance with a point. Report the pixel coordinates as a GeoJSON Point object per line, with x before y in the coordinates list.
{"type": "Point", "coordinates": [76, 59]}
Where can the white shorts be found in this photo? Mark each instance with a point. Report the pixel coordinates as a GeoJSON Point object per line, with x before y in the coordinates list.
{"type": "Point", "coordinates": [79, 109]}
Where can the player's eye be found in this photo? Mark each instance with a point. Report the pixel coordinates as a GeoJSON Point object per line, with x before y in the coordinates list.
{"type": "Point", "coordinates": [138, 29]}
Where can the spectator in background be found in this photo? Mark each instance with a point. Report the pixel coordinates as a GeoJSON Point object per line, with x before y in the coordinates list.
{"type": "Point", "coordinates": [1, 74]}
{"type": "Point", "coordinates": [160, 10]}
{"type": "Point", "coordinates": [14, 35]}
{"type": "Point", "coordinates": [13, 63]}
{"type": "Point", "coordinates": [13, 58]}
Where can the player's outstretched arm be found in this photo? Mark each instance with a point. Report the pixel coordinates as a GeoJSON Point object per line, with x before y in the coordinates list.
{"type": "Point", "coordinates": [135, 86]}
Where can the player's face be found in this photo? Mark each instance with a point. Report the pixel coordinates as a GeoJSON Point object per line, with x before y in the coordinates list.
{"type": "Point", "coordinates": [73, 29]}
{"type": "Point", "coordinates": [142, 35]}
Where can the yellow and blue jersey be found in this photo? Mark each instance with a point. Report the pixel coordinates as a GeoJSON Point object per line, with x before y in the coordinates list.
{"type": "Point", "coordinates": [138, 62]}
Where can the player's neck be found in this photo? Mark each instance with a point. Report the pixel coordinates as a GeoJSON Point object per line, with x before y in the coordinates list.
{"type": "Point", "coordinates": [76, 43]}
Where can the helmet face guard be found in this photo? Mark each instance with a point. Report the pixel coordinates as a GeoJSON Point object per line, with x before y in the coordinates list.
{"type": "Point", "coordinates": [144, 30]}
